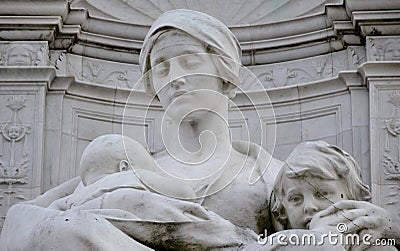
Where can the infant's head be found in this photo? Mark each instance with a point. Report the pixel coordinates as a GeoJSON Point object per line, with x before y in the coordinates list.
{"type": "Point", "coordinates": [315, 176]}
{"type": "Point", "coordinates": [112, 153]}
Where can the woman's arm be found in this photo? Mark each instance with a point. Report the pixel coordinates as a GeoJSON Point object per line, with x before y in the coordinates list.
{"type": "Point", "coordinates": [171, 224]}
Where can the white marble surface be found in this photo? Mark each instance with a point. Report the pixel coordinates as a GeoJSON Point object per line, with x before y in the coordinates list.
{"type": "Point", "coordinates": [329, 73]}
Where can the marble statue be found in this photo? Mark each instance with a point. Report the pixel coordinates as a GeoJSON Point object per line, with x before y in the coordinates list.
{"type": "Point", "coordinates": [203, 192]}
{"type": "Point", "coordinates": [112, 161]}
{"type": "Point", "coordinates": [320, 189]}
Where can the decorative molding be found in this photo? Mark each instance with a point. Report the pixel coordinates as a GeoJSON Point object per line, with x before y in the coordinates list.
{"type": "Point", "coordinates": [111, 39]}
{"type": "Point", "coordinates": [99, 72]}
{"type": "Point", "coordinates": [8, 197]}
{"type": "Point", "coordinates": [14, 132]}
{"type": "Point", "coordinates": [391, 198]}
{"type": "Point", "coordinates": [305, 70]}
{"type": "Point", "coordinates": [24, 54]}
{"type": "Point", "coordinates": [318, 31]}
{"type": "Point", "coordinates": [383, 79]}
{"type": "Point", "coordinates": [377, 21]}
{"type": "Point", "coordinates": [356, 56]}
{"type": "Point", "coordinates": [392, 127]}
{"type": "Point", "coordinates": [384, 48]}
{"type": "Point", "coordinates": [146, 11]}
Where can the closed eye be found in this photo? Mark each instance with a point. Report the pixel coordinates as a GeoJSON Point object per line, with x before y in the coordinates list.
{"type": "Point", "coordinates": [161, 70]}
{"type": "Point", "coordinates": [192, 62]}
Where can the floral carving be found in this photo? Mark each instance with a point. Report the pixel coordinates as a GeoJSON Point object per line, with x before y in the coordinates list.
{"type": "Point", "coordinates": [386, 50]}
{"type": "Point", "coordinates": [119, 79]}
{"type": "Point", "coordinates": [392, 126]}
{"type": "Point", "coordinates": [95, 69]}
{"type": "Point", "coordinates": [394, 98]}
{"type": "Point", "coordinates": [278, 77]}
{"type": "Point", "coordinates": [319, 66]}
{"type": "Point", "coordinates": [391, 159]}
{"type": "Point", "coordinates": [40, 56]}
{"type": "Point", "coordinates": [100, 73]}
{"type": "Point", "coordinates": [308, 70]}
{"type": "Point", "coordinates": [392, 197]}
{"type": "Point", "coordinates": [392, 168]}
{"type": "Point", "coordinates": [9, 197]}
{"type": "Point", "coordinates": [16, 166]}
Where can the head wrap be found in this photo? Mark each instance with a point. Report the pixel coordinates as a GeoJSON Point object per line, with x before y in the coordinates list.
{"type": "Point", "coordinates": [210, 31]}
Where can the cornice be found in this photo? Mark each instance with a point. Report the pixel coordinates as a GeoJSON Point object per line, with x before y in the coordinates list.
{"type": "Point", "coordinates": [75, 30]}
{"type": "Point", "coordinates": [381, 70]}
{"type": "Point", "coordinates": [27, 75]}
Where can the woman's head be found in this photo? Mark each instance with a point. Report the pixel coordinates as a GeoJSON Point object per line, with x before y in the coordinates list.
{"type": "Point", "coordinates": [316, 175]}
{"type": "Point", "coordinates": [188, 28]}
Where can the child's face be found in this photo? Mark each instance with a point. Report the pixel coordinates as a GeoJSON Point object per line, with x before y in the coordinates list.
{"type": "Point", "coordinates": [304, 197]}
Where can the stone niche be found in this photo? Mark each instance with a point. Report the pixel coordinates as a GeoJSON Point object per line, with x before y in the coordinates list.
{"type": "Point", "coordinates": [330, 68]}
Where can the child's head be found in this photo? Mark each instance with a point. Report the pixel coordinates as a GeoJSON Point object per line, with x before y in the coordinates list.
{"type": "Point", "coordinates": [315, 176]}
{"type": "Point", "coordinates": [112, 153]}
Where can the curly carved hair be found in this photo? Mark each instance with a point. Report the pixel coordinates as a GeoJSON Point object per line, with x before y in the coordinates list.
{"type": "Point", "coordinates": [322, 160]}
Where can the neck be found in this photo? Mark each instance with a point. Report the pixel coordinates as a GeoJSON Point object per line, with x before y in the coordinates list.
{"type": "Point", "coordinates": [200, 139]}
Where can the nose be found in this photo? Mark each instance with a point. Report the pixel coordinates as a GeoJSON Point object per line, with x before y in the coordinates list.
{"type": "Point", "coordinates": [311, 206]}
{"type": "Point", "coordinates": [177, 75]}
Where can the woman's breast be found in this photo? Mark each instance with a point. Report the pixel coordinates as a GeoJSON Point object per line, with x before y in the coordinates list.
{"type": "Point", "coordinates": [242, 203]}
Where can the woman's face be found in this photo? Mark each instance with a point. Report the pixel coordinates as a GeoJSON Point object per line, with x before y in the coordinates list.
{"type": "Point", "coordinates": [184, 76]}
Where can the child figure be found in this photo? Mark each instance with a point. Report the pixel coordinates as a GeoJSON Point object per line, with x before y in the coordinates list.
{"type": "Point", "coordinates": [112, 153]}
{"type": "Point", "coordinates": [320, 186]}
{"type": "Point", "coordinates": [112, 162]}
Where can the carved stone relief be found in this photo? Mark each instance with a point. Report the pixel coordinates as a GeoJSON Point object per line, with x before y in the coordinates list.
{"type": "Point", "coordinates": [391, 151]}
{"type": "Point", "coordinates": [309, 69]}
{"type": "Point", "coordinates": [24, 54]}
{"type": "Point", "coordinates": [15, 157]}
{"type": "Point", "coordinates": [8, 197]}
{"type": "Point", "coordinates": [96, 71]}
{"type": "Point", "coordinates": [270, 76]}
{"type": "Point", "coordinates": [356, 56]}
{"type": "Point", "coordinates": [385, 48]}
{"type": "Point", "coordinates": [14, 166]}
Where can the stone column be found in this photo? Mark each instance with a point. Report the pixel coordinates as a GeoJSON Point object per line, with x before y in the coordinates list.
{"type": "Point", "coordinates": [24, 77]}
{"type": "Point", "coordinates": [382, 74]}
